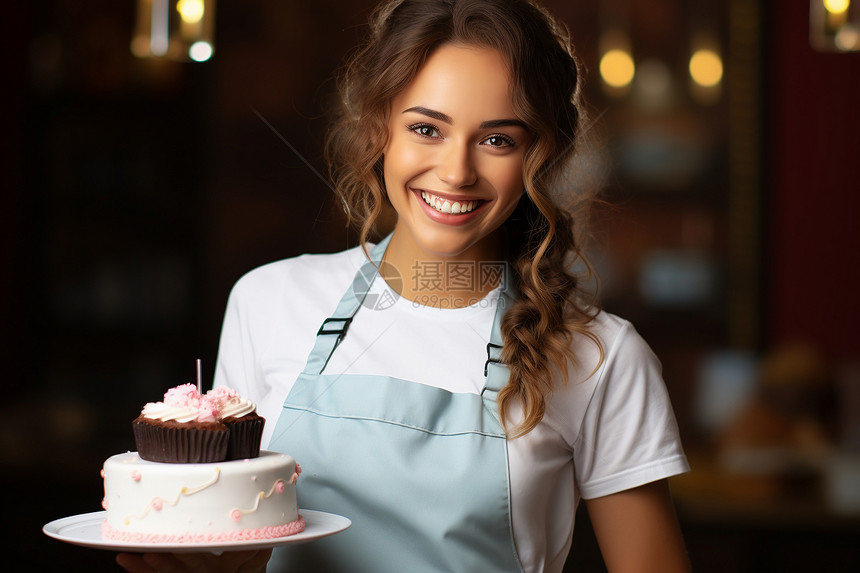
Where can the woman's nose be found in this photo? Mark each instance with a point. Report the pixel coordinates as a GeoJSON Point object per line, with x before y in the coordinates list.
{"type": "Point", "coordinates": [456, 166]}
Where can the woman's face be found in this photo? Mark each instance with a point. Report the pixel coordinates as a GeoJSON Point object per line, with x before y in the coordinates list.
{"type": "Point", "coordinates": [454, 157]}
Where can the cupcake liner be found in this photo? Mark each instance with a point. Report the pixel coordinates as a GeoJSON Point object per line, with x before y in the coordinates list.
{"type": "Point", "coordinates": [245, 435]}
{"type": "Point", "coordinates": [180, 443]}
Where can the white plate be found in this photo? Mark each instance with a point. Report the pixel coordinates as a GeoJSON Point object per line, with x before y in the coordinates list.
{"type": "Point", "coordinates": [85, 530]}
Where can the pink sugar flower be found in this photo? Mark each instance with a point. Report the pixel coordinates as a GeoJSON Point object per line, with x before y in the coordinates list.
{"type": "Point", "coordinates": [157, 504]}
{"type": "Point", "coordinates": [236, 515]}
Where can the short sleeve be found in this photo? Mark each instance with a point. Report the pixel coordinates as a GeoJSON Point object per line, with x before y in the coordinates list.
{"type": "Point", "coordinates": [629, 435]}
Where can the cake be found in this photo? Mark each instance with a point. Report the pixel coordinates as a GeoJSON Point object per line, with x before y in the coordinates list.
{"type": "Point", "coordinates": [199, 475]}
{"type": "Point", "coordinates": [156, 502]}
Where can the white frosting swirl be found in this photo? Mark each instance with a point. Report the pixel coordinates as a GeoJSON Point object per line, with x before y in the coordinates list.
{"type": "Point", "coordinates": [165, 412]}
{"type": "Point", "coordinates": [182, 404]}
{"type": "Point", "coordinates": [237, 407]}
{"type": "Point", "coordinates": [230, 403]}
{"type": "Point", "coordinates": [185, 404]}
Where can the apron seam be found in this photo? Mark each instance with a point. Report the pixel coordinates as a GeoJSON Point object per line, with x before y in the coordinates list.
{"type": "Point", "coordinates": [395, 423]}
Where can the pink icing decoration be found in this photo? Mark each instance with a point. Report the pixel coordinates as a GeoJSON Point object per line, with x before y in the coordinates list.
{"type": "Point", "coordinates": [104, 503]}
{"type": "Point", "coordinates": [157, 504]}
{"type": "Point", "coordinates": [298, 468]}
{"type": "Point", "coordinates": [135, 475]}
{"type": "Point", "coordinates": [222, 394]}
{"type": "Point", "coordinates": [294, 479]}
{"type": "Point", "coordinates": [181, 395]}
{"type": "Point", "coordinates": [208, 411]}
{"type": "Point", "coordinates": [187, 396]}
{"type": "Point", "coordinates": [279, 486]}
{"type": "Point", "coordinates": [270, 532]}
{"type": "Point", "coordinates": [235, 515]}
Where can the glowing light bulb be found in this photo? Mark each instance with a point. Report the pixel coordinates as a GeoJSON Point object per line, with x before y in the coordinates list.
{"type": "Point", "coordinates": [837, 6]}
{"type": "Point", "coordinates": [200, 51]}
{"type": "Point", "coordinates": [706, 68]}
{"type": "Point", "coordinates": [617, 68]}
{"type": "Point", "coordinates": [190, 11]}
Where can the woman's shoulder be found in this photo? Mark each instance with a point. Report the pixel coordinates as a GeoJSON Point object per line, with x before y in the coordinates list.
{"type": "Point", "coordinates": [305, 271]}
{"type": "Point", "coordinates": [611, 362]}
{"type": "Point", "coordinates": [613, 333]}
{"type": "Point", "coordinates": [607, 348]}
{"type": "Point", "coordinates": [613, 330]}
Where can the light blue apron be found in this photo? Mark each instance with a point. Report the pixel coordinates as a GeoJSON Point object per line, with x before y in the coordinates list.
{"type": "Point", "coordinates": [421, 472]}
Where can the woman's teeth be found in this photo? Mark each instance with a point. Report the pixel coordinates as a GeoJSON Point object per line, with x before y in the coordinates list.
{"type": "Point", "coordinates": [446, 206]}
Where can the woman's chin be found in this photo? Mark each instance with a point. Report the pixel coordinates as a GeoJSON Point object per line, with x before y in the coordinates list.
{"type": "Point", "coordinates": [451, 243]}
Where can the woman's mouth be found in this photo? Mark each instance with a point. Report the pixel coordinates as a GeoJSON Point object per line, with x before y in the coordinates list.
{"type": "Point", "coordinates": [448, 206]}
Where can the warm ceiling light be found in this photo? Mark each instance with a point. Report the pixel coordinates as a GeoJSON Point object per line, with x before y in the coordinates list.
{"type": "Point", "coordinates": [190, 11]}
{"type": "Point", "coordinates": [706, 68]}
{"type": "Point", "coordinates": [617, 68]}
{"type": "Point", "coordinates": [837, 6]}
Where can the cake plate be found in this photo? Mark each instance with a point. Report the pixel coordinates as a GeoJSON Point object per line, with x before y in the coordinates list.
{"type": "Point", "coordinates": [85, 530]}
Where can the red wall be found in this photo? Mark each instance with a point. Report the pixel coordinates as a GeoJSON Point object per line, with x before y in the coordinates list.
{"type": "Point", "coordinates": [812, 143]}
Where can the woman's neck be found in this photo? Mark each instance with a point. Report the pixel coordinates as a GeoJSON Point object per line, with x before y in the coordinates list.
{"type": "Point", "coordinates": [443, 280]}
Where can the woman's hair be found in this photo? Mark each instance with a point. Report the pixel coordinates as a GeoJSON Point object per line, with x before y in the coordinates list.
{"type": "Point", "coordinates": [541, 245]}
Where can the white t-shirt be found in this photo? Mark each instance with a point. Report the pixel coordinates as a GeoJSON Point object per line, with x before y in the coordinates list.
{"type": "Point", "coordinates": [602, 433]}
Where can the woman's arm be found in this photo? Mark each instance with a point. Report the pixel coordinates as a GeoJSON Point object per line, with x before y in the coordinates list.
{"type": "Point", "coordinates": [638, 532]}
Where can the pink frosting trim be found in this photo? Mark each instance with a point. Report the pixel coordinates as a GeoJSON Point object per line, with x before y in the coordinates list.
{"type": "Point", "coordinates": [271, 532]}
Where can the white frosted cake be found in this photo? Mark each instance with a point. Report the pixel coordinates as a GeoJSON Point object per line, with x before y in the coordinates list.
{"type": "Point", "coordinates": [155, 502]}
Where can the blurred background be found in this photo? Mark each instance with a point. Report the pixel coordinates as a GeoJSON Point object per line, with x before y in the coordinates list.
{"type": "Point", "coordinates": [155, 150]}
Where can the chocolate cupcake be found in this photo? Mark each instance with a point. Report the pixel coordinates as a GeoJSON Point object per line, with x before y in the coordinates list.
{"type": "Point", "coordinates": [240, 416]}
{"type": "Point", "coordinates": [184, 428]}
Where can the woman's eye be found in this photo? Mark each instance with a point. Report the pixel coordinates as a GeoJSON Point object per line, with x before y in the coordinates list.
{"type": "Point", "coordinates": [499, 141]}
{"type": "Point", "coordinates": [424, 130]}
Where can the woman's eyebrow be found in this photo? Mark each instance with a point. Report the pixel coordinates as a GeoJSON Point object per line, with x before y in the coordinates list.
{"type": "Point", "coordinates": [438, 115]}
{"type": "Point", "coordinates": [503, 123]}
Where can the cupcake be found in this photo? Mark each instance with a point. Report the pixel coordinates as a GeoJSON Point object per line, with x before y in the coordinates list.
{"type": "Point", "coordinates": [183, 428]}
{"type": "Point", "coordinates": [244, 424]}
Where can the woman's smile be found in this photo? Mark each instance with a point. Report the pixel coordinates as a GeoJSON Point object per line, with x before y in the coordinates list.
{"type": "Point", "coordinates": [454, 206]}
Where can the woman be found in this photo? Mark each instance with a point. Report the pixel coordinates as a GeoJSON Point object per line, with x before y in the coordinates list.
{"type": "Point", "coordinates": [451, 389]}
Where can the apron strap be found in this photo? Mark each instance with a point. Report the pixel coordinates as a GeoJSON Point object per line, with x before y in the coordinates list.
{"type": "Point", "coordinates": [495, 371]}
{"type": "Point", "coordinates": [334, 328]}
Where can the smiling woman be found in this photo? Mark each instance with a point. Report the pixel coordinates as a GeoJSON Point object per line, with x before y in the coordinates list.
{"type": "Point", "coordinates": [459, 424]}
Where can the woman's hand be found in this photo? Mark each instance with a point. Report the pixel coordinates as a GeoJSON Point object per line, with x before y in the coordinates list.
{"type": "Point", "coordinates": [227, 562]}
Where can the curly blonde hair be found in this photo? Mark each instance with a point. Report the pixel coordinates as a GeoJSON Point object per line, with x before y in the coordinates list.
{"type": "Point", "coordinates": [541, 244]}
